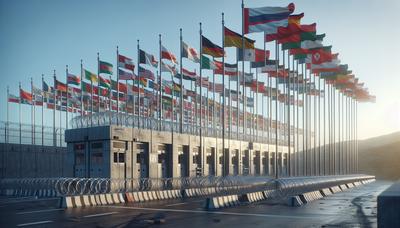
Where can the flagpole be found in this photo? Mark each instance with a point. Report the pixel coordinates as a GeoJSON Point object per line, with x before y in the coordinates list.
{"type": "Point", "coordinates": [110, 99]}
{"type": "Point", "coordinates": [32, 114]}
{"type": "Point", "coordinates": [54, 111]}
{"type": "Point", "coordinates": [276, 108]}
{"type": "Point", "coordinates": [315, 128]}
{"type": "Point", "coordinates": [66, 114]}
{"type": "Point", "coordinates": [297, 120]}
{"type": "Point", "coordinates": [98, 88]}
{"type": "Point", "coordinates": [117, 89]}
{"type": "Point", "coordinates": [91, 102]}
{"type": "Point", "coordinates": [334, 129]}
{"type": "Point", "coordinates": [181, 84]}
{"type": "Point", "coordinates": [324, 125]}
{"type": "Point", "coordinates": [214, 102]}
{"type": "Point", "coordinates": [43, 114]}
{"type": "Point", "coordinates": [138, 85]}
{"type": "Point", "coordinates": [8, 116]}
{"type": "Point", "coordinates": [20, 130]}
{"type": "Point", "coordinates": [201, 82]}
{"type": "Point", "coordinates": [244, 81]}
{"type": "Point", "coordinates": [160, 86]}
{"type": "Point", "coordinates": [223, 95]}
{"type": "Point", "coordinates": [288, 117]}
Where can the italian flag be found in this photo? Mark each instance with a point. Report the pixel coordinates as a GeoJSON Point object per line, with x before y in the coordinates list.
{"type": "Point", "coordinates": [105, 67]}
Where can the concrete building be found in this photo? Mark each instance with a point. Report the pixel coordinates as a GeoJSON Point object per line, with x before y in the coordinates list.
{"type": "Point", "coordinates": [125, 152]}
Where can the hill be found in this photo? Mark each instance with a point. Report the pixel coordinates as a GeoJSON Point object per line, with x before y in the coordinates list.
{"type": "Point", "coordinates": [380, 156]}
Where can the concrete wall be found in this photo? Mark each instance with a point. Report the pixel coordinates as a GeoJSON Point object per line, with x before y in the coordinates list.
{"type": "Point", "coordinates": [213, 160]}
{"type": "Point", "coordinates": [25, 161]}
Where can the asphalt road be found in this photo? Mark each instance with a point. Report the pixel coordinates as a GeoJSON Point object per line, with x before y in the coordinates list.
{"type": "Point", "coordinates": [352, 208]}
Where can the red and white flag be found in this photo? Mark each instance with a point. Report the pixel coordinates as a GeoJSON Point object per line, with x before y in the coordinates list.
{"type": "Point", "coordinates": [125, 63]}
{"type": "Point", "coordinates": [165, 54]}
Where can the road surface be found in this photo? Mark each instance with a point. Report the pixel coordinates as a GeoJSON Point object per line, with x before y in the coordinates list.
{"type": "Point", "coordinates": [352, 208]}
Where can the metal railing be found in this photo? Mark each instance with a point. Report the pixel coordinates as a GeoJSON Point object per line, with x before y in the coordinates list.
{"type": "Point", "coordinates": [151, 123]}
{"type": "Point", "coordinates": [15, 133]}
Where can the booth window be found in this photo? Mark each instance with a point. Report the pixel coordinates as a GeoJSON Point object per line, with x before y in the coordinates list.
{"type": "Point", "coordinates": [119, 157]}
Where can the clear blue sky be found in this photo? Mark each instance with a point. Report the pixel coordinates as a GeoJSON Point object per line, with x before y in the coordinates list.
{"type": "Point", "coordinates": [38, 36]}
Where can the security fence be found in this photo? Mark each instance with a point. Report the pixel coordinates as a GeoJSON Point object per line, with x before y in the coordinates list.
{"type": "Point", "coordinates": [20, 133]}
{"type": "Point", "coordinates": [223, 185]}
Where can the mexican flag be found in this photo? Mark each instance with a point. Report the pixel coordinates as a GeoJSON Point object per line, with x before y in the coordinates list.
{"type": "Point", "coordinates": [207, 63]}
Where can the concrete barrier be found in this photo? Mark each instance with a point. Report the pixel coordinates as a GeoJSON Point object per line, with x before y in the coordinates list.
{"type": "Point", "coordinates": [343, 187]}
{"type": "Point", "coordinates": [92, 199]}
{"type": "Point", "coordinates": [103, 199]}
{"type": "Point", "coordinates": [121, 198]}
{"type": "Point", "coordinates": [295, 201]}
{"type": "Point", "coordinates": [85, 201]}
{"type": "Point", "coordinates": [109, 198]}
{"type": "Point", "coordinates": [115, 198]}
{"type": "Point", "coordinates": [141, 196]}
{"type": "Point", "coordinates": [77, 201]}
{"type": "Point", "coordinates": [129, 197]}
{"type": "Point", "coordinates": [66, 202]}
{"type": "Point", "coordinates": [97, 198]}
{"type": "Point", "coordinates": [212, 203]}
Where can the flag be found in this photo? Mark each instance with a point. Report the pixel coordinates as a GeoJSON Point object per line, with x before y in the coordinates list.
{"type": "Point", "coordinates": [146, 58]}
{"type": "Point", "coordinates": [60, 86]}
{"type": "Point", "coordinates": [104, 82]}
{"type": "Point", "coordinates": [26, 97]}
{"type": "Point", "coordinates": [125, 62]}
{"type": "Point", "coordinates": [190, 53]}
{"type": "Point", "coordinates": [167, 68]}
{"type": "Point", "coordinates": [230, 69]}
{"type": "Point", "coordinates": [46, 88]}
{"type": "Point", "coordinates": [165, 54]}
{"type": "Point", "coordinates": [332, 66]}
{"type": "Point", "coordinates": [292, 19]}
{"type": "Point", "coordinates": [90, 76]}
{"type": "Point", "coordinates": [12, 98]}
{"type": "Point", "coordinates": [36, 91]}
{"type": "Point", "coordinates": [310, 44]}
{"type": "Point", "coordinates": [105, 67]}
{"type": "Point", "coordinates": [233, 39]}
{"type": "Point", "coordinates": [145, 73]}
{"type": "Point", "coordinates": [270, 66]}
{"type": "Point", "coordinates": [73, 79]}
{"type": "Point", "coordinates": [123, 75]}
{"type": "Point", "coordinates": [253, 55]}
{"type": "Point", "coordinates": [266, 19]}
{"type": "Point", "coordinates": [207, 63]}
{"type": "Point", "coordinates": [321, 55]}
{"type": "Point", "coordinates": [210, 48]}
{"type": "Point", "coordinates": [188, 75]}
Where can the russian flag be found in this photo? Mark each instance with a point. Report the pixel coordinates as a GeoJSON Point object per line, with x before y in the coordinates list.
{"type": "Point", "coordinates": [266, 19]}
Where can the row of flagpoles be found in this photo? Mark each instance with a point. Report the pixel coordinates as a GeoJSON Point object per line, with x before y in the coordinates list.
{"type": "Point", "coordinates": [304, 68]}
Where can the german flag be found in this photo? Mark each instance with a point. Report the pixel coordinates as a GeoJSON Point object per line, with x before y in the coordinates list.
{"type": "Point", "coordinates": [210, 48]}
{"type": "Point", "coordinates": [60, 86]}
{"type": "Point", "coordinates": [233, 39]}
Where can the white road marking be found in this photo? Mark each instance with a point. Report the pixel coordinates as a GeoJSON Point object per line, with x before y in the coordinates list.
{"type": "Point", "coordinates": [176, 204]}
{"type": "Point", "coordinates": [101, 214]}
{"type": "Point", "coordinates": [35, 223]}
{"type": "Point", "coordinates": [39, 211]}
{"type": "Point", "coordinates": [217, 212]}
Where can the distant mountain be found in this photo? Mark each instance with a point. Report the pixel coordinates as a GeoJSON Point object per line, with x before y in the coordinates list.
{"type": "Point", "coordinates": [380, 156]}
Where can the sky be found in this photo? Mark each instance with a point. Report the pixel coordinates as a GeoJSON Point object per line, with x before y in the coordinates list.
{"type": "Point", "coordinates": [39, 36]}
